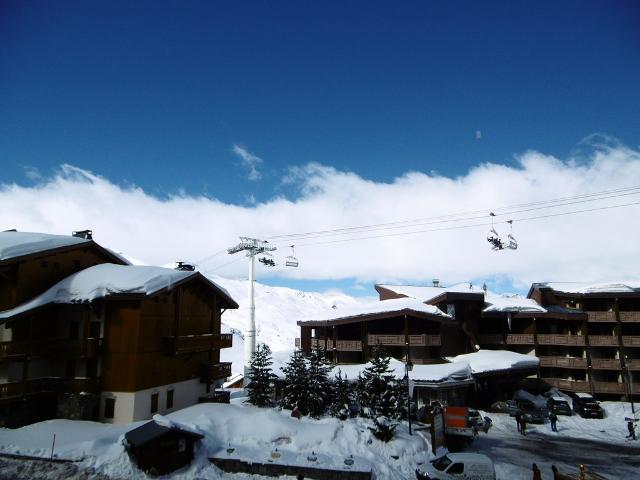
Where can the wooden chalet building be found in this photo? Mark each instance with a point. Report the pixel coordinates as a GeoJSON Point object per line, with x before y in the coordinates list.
{"type": "Point", "coordinates": [105, 341]}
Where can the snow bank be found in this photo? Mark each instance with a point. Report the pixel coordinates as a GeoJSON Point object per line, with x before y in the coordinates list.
{"type": "Point", "coordinates": [583, 287]}
{"type": "Point", "coordinates": [494, 360]}
{"type": "Point", "coordinates": [510, 303]}
{"type": "Point", "coordinates": [18, 244]}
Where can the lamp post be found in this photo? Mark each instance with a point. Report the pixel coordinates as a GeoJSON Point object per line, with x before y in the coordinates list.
{"type": "Point", "coordinates": [630, 383]}
{"type": "Point", "coordinates": [408, 366]}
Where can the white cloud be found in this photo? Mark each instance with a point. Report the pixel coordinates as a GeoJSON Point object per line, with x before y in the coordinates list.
{"type": "Point", "coordinates": [249, 161]}
{"type": "Point", "coordinates": [599, 245]}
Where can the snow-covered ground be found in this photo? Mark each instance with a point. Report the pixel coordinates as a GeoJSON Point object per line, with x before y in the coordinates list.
{"type": "Point", "coordinates": [255, 433]}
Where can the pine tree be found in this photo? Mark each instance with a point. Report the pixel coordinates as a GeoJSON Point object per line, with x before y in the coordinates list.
{"type": "Point", "coordinates": [295, 391]}
{"type": "Point", "coordinates": [318, 390]}
{"type": "Point", "coordinates": [401, 396]}
{"type": "Point", "coordinates": [342, 397]}
{"type": "Point", "coordinates": [375, 387]}
{"type": "Point", "coordinates": [260, 377]}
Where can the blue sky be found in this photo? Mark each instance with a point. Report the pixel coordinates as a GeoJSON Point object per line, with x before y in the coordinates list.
{"type": "Point", "coordinates": [157, 94]}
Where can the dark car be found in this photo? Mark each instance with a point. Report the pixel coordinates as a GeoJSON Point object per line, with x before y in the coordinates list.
{"type": "Point", "coordinates": [587, 406]}
{"type": "Point", "coordinates": [559, 406]}
{"type": "Point", "coordinates": [530, 412]}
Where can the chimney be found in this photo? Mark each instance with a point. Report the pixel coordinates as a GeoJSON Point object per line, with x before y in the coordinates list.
{"type": "Point", "coordinates": [436, 282]}
{"type": "Point", "coordinates": [86, 234]}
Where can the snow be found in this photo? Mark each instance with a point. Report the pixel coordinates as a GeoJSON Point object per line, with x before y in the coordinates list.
{"type": "Point", "coordinates": [386, 306]}
{"type": "Point", "coordinates": [510, 303]}
{"type": "Point", "coordinates": [19, 244]}
{"type": "Point", "coordinates": [584, 287]}
{"type": "Point", "coordinates": [494, 360]}
{"type": "Point", "coordinates": [427, 294]}
{"type": "Point", "coordinates": [105, 280]}
{"type": "Point", "coordinates": [583, 395]}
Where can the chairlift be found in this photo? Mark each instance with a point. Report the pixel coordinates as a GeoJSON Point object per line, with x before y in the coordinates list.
{"type": "Point", "coordinates": [291, 260]}
{"type": "Point", "coordinates": [512, 243]}
{"type": "Point", "coordinates": [267, 260]}
{"type": "Point", "coordinates": [493, 238]}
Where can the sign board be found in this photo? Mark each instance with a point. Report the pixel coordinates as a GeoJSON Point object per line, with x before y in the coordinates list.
{"type": "Point", "coordinates": [437, 431]}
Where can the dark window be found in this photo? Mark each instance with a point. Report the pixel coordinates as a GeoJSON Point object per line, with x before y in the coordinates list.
{"type": "Point", "coordinates": [169, 398]}
{"type": "Point", "coordinates": [456, 468]}
{"type": "Point", "coordinates": [74, 330]}
{"type": "Point", "coordinates": [70, 369]}
{"type": "Point", "coordinates": [92, 368]}
{"type": "Point", "coordinates": [109, 407]}
{"type": "Point", "coordinates": [154, 402]}
{"type": "Point", "coordinates": [94, 330]}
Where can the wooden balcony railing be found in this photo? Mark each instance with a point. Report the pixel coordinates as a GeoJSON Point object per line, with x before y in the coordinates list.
{"type": "Point", "coordinates": [570, 385]}
{"type": "Point", "coordinates": [215, 371]}
{"type": "Point", "coordinates": [49, 385]}
{"type": "Point", "coordinates": [633, 363]}
{"type": "Point", "coordinates": [341, 345]}
{"type": "Point", "coordinates": [601, 316]}
{"type": "Point", "coordinates": [608, 387]}
{"type": "Point", "coordinates": [631, 341]}
{"type": "Point", "coordinates": [563, 362]}
{"type": "Point", "coordinates": [399, 340]}
{"type": "Point", "coordinates": [630, 317]}
{"type": "Point", "coordinates": [196, 343]}
{"type": "Point", "coordinates": [297, 342]}
{"type": "Point", "coordinates": [555, 339]}
{"type": "Point", "coordinates": [82, 347]}
{"type": "Point", "coordinates": [519, 339]}
{"type": "Point", "coordinates": [491, 339]}
{"type": "Point", "coordinates": [603, 340]}
{"type": "Point", "coordinates": [605, 363]}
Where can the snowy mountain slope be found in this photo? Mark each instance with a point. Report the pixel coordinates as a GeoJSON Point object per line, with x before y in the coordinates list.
{"type": "Point", "coordinates": [277, 311]}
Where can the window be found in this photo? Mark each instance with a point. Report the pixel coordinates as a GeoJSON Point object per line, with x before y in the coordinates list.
{"type": "Point", "coordinates": [109, 407]}
{"type": "Point", "coordinates": [154, 402]}
{"type": "Point", "coordinates": [170, 398]}
{"type": "Point", "coordinates": [70, 368]}
{"type": "Point", "coordinates": [74, 330]}
{"type": "Point", "coordinates": [456, 468]}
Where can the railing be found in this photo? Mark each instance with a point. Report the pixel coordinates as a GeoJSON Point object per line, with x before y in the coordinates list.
{"type": "Point", "coordinates": [297, 344]}
{"type": "Point", "coordinates": [570, 385]}
{"type": "Point", "coordinates": [196, 343]}
{"type": "Point", "coordinates": [491, 339]}
{"type": "Point", "coordinates": [605, 363]}
{"type": "Point", "coordinates": [631, 341]}
{"type": "Point", "coordinates": [563, 362]}
{"type": "Point", "coordinates": [49, 385]}
{"type": "Point", "coordinates": [519, 339]}
{"type": "Point", "coordinates": [630, 317]}
{"type": "Point", "coordinates": [555, 339]}
{"type": "Point", "coordinates": [340, 345]}
{"type": "Point", "coordinates": [601, 316]}
{"type": "Point", "coordinates": [215, 371]}
{"type": "Point", "coordinates": [633, 363]}
{"type": "Point", "coordinates": [219, 396]}
{"type": "Point", "coordinates": [81, 347]}
{"type": "Point", "coordinates": [603, 340]}
{"type": "Point", "coordinates": [321, 343]}
{"type": "Point", "coordinates": [400, 340]}
{"type": "Point", "coordinates": [608, 387]}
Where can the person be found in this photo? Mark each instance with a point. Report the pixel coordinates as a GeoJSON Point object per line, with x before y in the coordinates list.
{"type": "Point", "coordinates": [553, 418]}
{"type": "Point", "coordinates": [296, 413]}
{"type": "Point", "coordinates": [556, 474]}
{"type": "Point", "coordinates": [523, 426]}
{"type": "Point", "coordinates": [536, 472]}
{"type": "Point", "coordinates": [486, 425]}
{"type": "Point", "coordinates": [519, 420]}
{"type": "Point", "coordinates": [632, 430]}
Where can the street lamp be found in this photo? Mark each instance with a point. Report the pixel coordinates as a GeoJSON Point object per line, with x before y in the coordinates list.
{"type": "Point", "coordinates": [408, 366]}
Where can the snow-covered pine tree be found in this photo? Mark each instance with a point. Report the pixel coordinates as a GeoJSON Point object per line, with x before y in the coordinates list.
{"type": "Point", "coordinates": [342, 397]}
{"type": "Point", "coordinates": [375, 387]}
{"type": "Point", "coordinates": [319, 391]}
{"type": "Point", "coordinates": [400, 394]}
{"type": "Point", "coordinates": [260, 377]}
{"type": "Point", "coordinates": [295, 391]}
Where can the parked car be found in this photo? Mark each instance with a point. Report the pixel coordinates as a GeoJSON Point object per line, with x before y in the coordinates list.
{"type": "Point", "coordinates": [559, 406]}
{"type": "Point", "coordinates": [586, 406]}
{"type": "Point", "coordinates": [458, 466]}
{"type": "Point", "coordinates": [474, 418]}
{"type": "Point", "coordinates": [530, 412]}
{"type": "Point", "coordinates": [512, 407]}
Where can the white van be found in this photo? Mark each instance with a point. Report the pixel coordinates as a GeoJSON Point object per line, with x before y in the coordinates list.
{"type": "Point", "coordinates": [457, 466]}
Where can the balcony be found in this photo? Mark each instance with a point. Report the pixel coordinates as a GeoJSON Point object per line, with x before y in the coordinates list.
{"type": "Point", "coordinates": [554, 339]}
{"type": "Point", "coordinates": [603, 340]}
{"type": "Point", "coordinates": [563, 362]}
{"type": "Point", "coordinates": [82, 347]}
{"type": "Point", "coordinates": [399, 340]}
{"type": "Point", "coordinates": [605, 363]}
{"type": "Point", "coordinates": [196, 343]}
{"type": "Point", "coordinates": [630, 317]}
{"type": "Point", "coordinates": [609, 387]}
{"type": "Point", "coordinates": [569, 385]}
{"type": "Point", "coordinates": [215, 371]}
{"type": "Point", "coordinates": [601, 316]}
{"type": "Point", "coordinates": [520, 339]}
{"type": "Point", "coordinates": [633, 363]}
{"type": "Point", "coordinates": [491, 339]}
{"type": "Point", "coordinates": [49, 385]}
{"type": "Point", "coordinates": [341, 345]}
{"type": "Point", "coordinates": [631, 341]}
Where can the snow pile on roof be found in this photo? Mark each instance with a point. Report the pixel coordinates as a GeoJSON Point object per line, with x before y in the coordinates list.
{"type": "Point", "coordinates": [583, 287]}
{"type": "Point", "coordinates": [510, 303]}
{"type": "Point", "coordinates": [495, 360]}
{"type": "Point", "coordinates": [105, 280]}
{"type": "Point", "coordinates": [427, 294]}
{"type": "Point", "coordinates": [372, 308]}
{"type": "Point", "coordinates": [19, 244]}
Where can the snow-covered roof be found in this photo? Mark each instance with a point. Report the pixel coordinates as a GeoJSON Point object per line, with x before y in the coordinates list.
{"type": "Point", "coordinates": [484, 361]}
{"type": "Point", "coordinates": [427, 294]}
{"type": "Point", "coordinates": [510, 303]}
{"type": "Point", "coordinates": [20, 244]}
{"type": "Point", "coordinates": [586, 288]}
{"type": "Point", "coordinates": [106, 280]}
{"type": "Point", "coordinates": [583, 395]}
{"type": "Point", "coordinates": [396, 305]}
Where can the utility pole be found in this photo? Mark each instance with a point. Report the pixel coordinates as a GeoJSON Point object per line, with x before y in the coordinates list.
{"type": "Point", "coordinates": [253, 247]}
